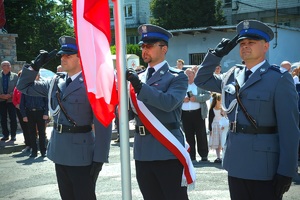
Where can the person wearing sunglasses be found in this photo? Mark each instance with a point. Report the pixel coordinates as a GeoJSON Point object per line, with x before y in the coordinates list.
{"type": "Point", "coordinates": [156, 95]}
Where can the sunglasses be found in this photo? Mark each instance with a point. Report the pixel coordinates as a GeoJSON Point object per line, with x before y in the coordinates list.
{"type": "Point", "coordinates": [149, 46]}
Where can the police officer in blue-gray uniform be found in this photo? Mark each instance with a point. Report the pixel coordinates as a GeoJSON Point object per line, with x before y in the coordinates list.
{"type": "Point", "coordinates": [158, 171]}
{"type": "Point", "coordinates": [261, 104]}
{"type": "Point", "coordinates": [77, 151]}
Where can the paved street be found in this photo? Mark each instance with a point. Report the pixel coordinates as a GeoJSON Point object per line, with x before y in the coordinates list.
{"type": "Point", "coordinates": [28, 178]}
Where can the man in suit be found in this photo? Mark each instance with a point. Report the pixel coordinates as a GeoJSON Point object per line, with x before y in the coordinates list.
{"type": "Point", "coordinates": [77, 151]}
{"type": "Point", "coordinates": [194, 112]}
{"type": "Point", "coordinates": [8, 81]}
{"type": "Point", "coordinates": [261, 152]}
{"type": "Point", "coordinates": [161, 90]}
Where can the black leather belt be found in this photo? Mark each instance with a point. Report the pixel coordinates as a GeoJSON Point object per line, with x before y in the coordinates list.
{"type": "Point", "coordinates": [35, 109]}
{"type": "Point", "coordinates": [72, 129]}
{"type": "Point", "coordinates": [191, 110]}
{"type": "Point", "coordinates": [239, 128]}
{"type": "Point", "coordinates": [170, 126]}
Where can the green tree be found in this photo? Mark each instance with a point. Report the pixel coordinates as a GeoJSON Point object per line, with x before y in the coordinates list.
{"type": "Point", "coordinates": [219, 14]}
{"type": "Point", "coordinates": [176, 14]}
{"type": "Point", "coordinates": [39, 24]}
{"type": "Point", "coordinates": [131, 49]}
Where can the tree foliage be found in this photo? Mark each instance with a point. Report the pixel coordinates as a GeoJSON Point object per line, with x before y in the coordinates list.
{"type": "Point", "coordinates": [131, 49]}
{"type": "Point", "coordinates": [39, 24]}
{"type": "Point", "coordinates": [177, 14]}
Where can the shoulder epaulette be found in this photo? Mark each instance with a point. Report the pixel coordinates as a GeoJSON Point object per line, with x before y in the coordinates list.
{"type": "Point", "coordinates": [278, 69]}
{"type": "Point", "coordinates": [175, 70]}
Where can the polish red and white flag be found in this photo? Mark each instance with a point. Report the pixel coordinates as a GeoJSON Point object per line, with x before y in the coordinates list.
{"type": "Point", "coordinates": [92, 29]}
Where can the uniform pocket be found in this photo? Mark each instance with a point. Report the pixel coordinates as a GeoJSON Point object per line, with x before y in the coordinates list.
{"type": "Point", "coordinates": [258, 95]}
{"type": "Point", "coordinates": [76, 99]}
{"type": "Point", "coordinates": [257, 101]}
{"type": "Point", "coordinates": [83, 145]}
{"type": "Point", "coordinates": [83, 139]}
{"type": "Point", "coordinates": [266, 153]}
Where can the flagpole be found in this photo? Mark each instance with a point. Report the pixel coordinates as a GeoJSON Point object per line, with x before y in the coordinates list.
{"type": "Point", "coordinates": [123, 98]}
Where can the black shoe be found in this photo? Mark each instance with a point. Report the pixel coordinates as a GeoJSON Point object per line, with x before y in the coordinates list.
{"type": "Point", "coordinates": [13, 139]}
{"type": "Point", "coordinates": [4, 138]}
{"type": "Point", "coordinates": [204, 159]}
{"type": "Point", "coordinates": [43, 154]}
{"type": "Point", "coordinates": [33, 155]}
{"type": "Point", "coordinates": [218, 160]}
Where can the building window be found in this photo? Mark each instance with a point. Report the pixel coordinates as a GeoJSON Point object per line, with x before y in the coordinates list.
{"type": "Point", "coordinates": [227, 3]}
{"type": "Point", "coordinates": [196, 58]}
{"type": "Point", "coordinates": [284, 23]}
{"type": "Point", "coordinates": [111, 13]}
{"type": "Point", "coordinates": [128, 11]}
{"type": "Point", "coordinates": [132, 39]}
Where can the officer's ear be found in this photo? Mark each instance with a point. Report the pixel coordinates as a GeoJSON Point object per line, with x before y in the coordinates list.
{"type": "Point", "coordinates": [266, 45]}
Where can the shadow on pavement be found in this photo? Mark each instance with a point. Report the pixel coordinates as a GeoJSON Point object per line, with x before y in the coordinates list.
{"type": "Point", "coordinates": [30, 161]}
{"type": "Point", "coordinates": [201, 164]}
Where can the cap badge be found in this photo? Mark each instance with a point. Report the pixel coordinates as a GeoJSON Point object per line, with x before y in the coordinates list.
{"type": "Point", "coordinates": [246, 25]}
{"type": "Point", "coordinates": [144, 29]}
{"type": "Point", "coordinates": [63, 40]}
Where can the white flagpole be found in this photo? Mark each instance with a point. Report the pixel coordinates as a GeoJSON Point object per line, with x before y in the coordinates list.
{"type": "Point", "coordinates": [123, 98]}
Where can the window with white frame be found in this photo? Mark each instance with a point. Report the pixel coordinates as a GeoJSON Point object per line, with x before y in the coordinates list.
{"type": "Point", "coordinates": [128, 10]}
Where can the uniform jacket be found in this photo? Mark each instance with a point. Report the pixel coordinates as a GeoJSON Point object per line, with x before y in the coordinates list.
{"type": "Point", "coordinates": [72, 149]}
{"type": "Point", "coordinates": [269, 96]}
{"type": "Point", "coordinates": [11, 85]}
{"type": "Point", "coordinates": [162, 94]}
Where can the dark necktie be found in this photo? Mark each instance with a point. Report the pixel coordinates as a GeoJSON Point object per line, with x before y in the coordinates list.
{"type": "Point", "coordinates": [247, 74]}
{"type": "Point", "coordinates": [150, 72]}
{"type": "Point", "coordinates": [69, 80]}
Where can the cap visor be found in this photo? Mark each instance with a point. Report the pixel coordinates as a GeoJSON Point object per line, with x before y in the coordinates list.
{"type": "Point", "coordinates": [251, 37]}
{"type": "Point", "coordinates": [61, 52]}
{"type": "Point", "coordinates": [149, 41]}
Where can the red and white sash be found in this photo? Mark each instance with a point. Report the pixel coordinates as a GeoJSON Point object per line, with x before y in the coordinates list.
{"type": "Point", "coordinates": [165, 137]}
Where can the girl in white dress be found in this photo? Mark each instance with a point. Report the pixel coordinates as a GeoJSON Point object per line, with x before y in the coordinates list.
{"type": "Point", "coordinates": [214, 117]}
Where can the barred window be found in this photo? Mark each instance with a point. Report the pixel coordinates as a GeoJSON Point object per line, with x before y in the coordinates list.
{"type": "Point", "coordinates": [196, 58]}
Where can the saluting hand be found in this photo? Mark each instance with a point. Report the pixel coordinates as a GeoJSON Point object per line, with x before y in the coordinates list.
{"type": "Point", "coordinates": [43, 58]}
{"type": "Point", "coordinates": [225, 46]}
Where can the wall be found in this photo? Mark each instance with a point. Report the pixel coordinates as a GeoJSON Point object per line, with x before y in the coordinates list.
{"type": "Point", "coordinates": [181, 46]}
{"type": "Point", "coordinates": [8, 51]}
{"type": "Point", "coordinates": [247, 6]}
{"type": "Point", "coordinates": [288, 46]}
